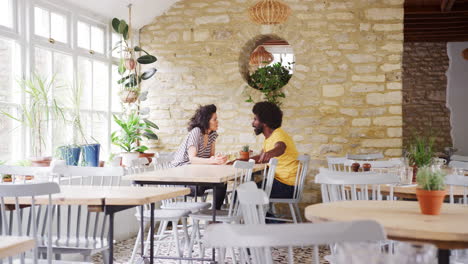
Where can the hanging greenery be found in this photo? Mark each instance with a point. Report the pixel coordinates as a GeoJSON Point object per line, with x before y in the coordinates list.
{"type": "Point", "coordinates": [269, 80]}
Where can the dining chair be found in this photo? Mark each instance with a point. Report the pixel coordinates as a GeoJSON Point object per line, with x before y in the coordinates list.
{"type": "Point", "coordinates": [374, 156]}
{"type": "Point", "coordinates": [336, 163]}
{"type": "Point", "coordinates": [161, 216]}
{"type": "Point", "coordinates": [243, 173]}
{"type": "Point", "coordinates": [21, 174]}
{"type": "Point", "coordinates": [269, 176]}
{"type": "Point", "coordinates": [376, 165]}
{"type": "Point", "coordinates": [25, 221]}
{"type": "Point", "coordinates": [459, 158]}
{"type": "Point", "coordinates": [458, 164]}
{"type": "Point", "coordinates": [293, 202]}
{"type": "Point", "coordinates": [260, 239]}
{"type": "Point", "coordinates": [79, 230]}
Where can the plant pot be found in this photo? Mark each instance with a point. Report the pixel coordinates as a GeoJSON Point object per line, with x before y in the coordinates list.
{"type": "Point", "coordinates": [40, 161]}
{"type": "Point", "coordinates": [366, 166]}
{"type": "Point", "coordinates": [128, 97]}
{"type": "Point", "coordinates": [148, 156]}
{"type": "Point", "coordinates": [430, 202]}
{"type": "Point", "coordinates": [355, 167]}
{"type": "Point", "coordinates": [7, 179]}
{"type": "Point", "coordinates": [91, 155]}
{"type": "Point", "coordinates": [244, 155]}
{"type": "Point", "coordinates": [127, 158]}
{"type": "Point", "coordinates": [415, 172]}
{"type": "Point", "coordinates": [71, 155]}
{"type": "Point", "coordinates": [102, 163]}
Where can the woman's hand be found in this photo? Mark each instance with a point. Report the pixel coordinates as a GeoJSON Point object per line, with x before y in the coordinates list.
{"type": "Point", "coordinates": [219, 160]}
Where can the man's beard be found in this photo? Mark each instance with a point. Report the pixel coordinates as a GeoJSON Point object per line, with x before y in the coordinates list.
{"type": "Point", "coordinates": [258, 130]}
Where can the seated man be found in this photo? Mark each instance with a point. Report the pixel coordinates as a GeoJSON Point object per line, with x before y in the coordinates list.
{"type": "Point", "coordinates": [278, 144]}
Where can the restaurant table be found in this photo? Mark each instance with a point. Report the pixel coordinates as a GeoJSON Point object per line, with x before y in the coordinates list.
{"type": "Point", "coordinates": [110, 200]}
{"type": "Point", "coordinates": [213, 176]}
{"type": "Point", "coordinates": [402, 220]}
{"type": "Point", "coordinates": [14, 245]}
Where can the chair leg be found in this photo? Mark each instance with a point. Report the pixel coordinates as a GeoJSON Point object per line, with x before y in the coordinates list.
{"type": "Point", "coordinates": [160, 235]}
{"type": "Point", "coordinates": [175, 232]}
{"type": "Point", "coordinates": [105, 256]}
{"type": "Point", "coordinates": [186, 235]}
{"type": "Point", "coordinates": [299, 215]}
{"type": "Point", "coordinates": [135, 248]}
{"type": "Point", "coordinates": [192, 238]}
{"type": "Point", "coordinates": [293, 214]}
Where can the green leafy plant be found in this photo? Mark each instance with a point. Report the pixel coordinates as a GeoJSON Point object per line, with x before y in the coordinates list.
{"type": "Point", "coordinates": [133, 129]}
{"type": "Point", "coordinates": [245, 148]}
{"type": "Point", "coordinates": [421, 151]}
{"type": "Point", "coordinates": [128, 65]}
{"type": "Point", "coordinates": [39, 110]}
{"type": "Point", "coordinates": [430, 180]}
{"type": "Point", "coordinates": [269, 80]}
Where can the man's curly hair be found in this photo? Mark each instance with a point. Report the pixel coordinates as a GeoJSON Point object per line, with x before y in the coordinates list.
{"type": "Point", "coordinates": [268, 113]}
{"type": "Point", "coordinates": [201, 118]}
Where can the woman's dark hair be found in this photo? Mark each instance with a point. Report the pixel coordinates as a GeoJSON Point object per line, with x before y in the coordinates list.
{"type": "Point", "coordinates": [201, 118]}
{"type": "Point", "coordinates": [268, 113]}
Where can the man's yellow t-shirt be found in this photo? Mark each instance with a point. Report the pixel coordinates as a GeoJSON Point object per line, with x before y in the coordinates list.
{"type": "Point", "coordinates": [287, 163]}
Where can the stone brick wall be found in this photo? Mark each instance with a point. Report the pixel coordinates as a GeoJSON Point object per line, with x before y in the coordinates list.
{"type": "Point", "coordinates": [345, 94]}
{"type": "Point", "coordinates": [424, 92]}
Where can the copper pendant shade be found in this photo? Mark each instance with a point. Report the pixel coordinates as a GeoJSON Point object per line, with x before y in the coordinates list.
{"type": "Point", "coordinates": [269, 12]}
{"type": "Point", "coordinates": [260, 57]}
{"type": "Point", "coordinates": [465, 54]}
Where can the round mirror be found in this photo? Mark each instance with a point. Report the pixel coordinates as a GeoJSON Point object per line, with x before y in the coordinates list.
{"type": "Point", "coordinates": [268, 66]}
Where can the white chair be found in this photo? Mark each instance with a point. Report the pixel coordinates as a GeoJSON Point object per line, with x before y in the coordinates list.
{"type": "Point", "coordinates": [376, 165]}
{"type": "Point", "coordinates": [293, 202]}
{"type": "Point", "coordinates": [161, 216]}
{"type": "Point", "coordinates": [262, 238]}
{"type": "Point", "coordinates": [459, 158]}
{"type": "Point", "coordinates": [16, 222]}
{"type": "Point", "coordinates": [336, 163]}
{"type": "Point", "coordinates": [71, 236]}
{"type": "Point", "coordinates": [339, 186]}
{"type": "Point", "coordinates": [374, 156]}
{"type": "Point", "coordinates": [243, 174]}
{"type": "Point", "coordinates": [269, 176]}
{"type": "Point", "coordinates": [19, 173]}
{"type": "Point", "coordinates": [252, 203]}
{"type": "Point", "coordinates": [458, 165]}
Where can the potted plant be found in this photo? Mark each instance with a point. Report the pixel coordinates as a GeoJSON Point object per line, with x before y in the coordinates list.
{"type": "Point", "coordinates": [133, 129]}
{"type": "Point", "coordinates": [420, 153]}
{"type": "Point", "coordinates": [431, 190]}
{"type": "Point", "coordinates": [36, 114]}
{"type": "Point", "coordinates": [269, 80]}
{"type": "Point", "coordinates": [244, 154]}
{"type": "Point", "coordinates": [129, 69]}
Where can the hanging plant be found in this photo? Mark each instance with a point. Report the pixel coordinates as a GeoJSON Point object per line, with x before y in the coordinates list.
{"type": "Point", "coordinates": [128, 69]}
{"type": "Point", "coordinates": [269, 80]}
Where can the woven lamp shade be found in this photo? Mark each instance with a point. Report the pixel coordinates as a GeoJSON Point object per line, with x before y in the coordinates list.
{"type": "Point", "coordinates": [465, 54]}
{"type": "Point", "coordinates": [269, 12]}
{"type": "Point", "coordinates": [260, 57]}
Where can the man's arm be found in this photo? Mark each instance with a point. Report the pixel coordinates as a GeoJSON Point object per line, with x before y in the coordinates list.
{"type": "Point", "coordinates": [277, 151]}
{"type": "Point", "coordinates": [257, 157]}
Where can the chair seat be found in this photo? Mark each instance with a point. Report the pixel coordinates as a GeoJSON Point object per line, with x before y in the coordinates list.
{"type": "Point", "coordinates": [191, 206]}
{"type": "Point", "coordinates": [74, 244]}
{"type": "Point", "coordinates": [165, 214]}
{"type": "Point", "coordinates": [221, 215]}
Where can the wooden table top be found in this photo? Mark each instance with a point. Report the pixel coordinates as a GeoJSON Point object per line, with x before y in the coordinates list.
{"type": "Point", "coordinates": [14, 245]}
{"type": "Point", "coordinates": [191, 173]}
{"type": "Point", "coordinates": [115, 195]}
{"type": "Point", "coordinates": [402, 220]}
{"type": "Point", "coordinates": [409, 191]}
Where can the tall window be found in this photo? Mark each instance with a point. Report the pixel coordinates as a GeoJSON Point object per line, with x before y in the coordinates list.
{"type": "Point", "coordinates": [64, 45]}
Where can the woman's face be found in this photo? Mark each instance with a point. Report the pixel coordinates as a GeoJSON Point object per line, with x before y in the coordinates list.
{"type": "Point", "coordinates": [214, 122]}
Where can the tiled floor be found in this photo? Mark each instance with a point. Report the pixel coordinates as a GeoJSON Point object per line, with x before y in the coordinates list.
{"type": "Point", "coordinates": [123, 251]}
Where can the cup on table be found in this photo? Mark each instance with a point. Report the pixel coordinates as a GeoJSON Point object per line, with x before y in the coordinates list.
{"type": "Point", "coordinates": [406, 175]}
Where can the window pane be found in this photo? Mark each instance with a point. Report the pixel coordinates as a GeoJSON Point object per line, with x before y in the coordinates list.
{"type": "Point", "coordinates": [100, 133]}
{"type": "Point", "coordinates": [97, 39]}
{"type": "Point", "coordinates": [63, 70]}
{"type": "Point", "coordinates": [9, 71]}
{"type": "Point", "coordinates": [43, 62]}
{"type": "Point", "coordinates": [100, 86]}
{"type": "Point", "coordinates": [10, 135]}
{"type": "Point", "coordinates": [83, 35]}
{"type": "Point", "coordinates": [85, 78]}
{"type": "Point", "coordinates": [6, 13]}
{"type": "Point", "coordinates": [59, 27]}
{"type": "Point", "coordinates": [41, 22]}
{"type": "Point", "coordinates": [62, 132]}
{"type": "Point", "coordinates": [116, 104]}
{"type": "Point", "coordinates": [115, 38]}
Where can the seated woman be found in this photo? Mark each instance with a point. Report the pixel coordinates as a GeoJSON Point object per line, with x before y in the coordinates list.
{"type": "Point", "coordinates": [199, 147]}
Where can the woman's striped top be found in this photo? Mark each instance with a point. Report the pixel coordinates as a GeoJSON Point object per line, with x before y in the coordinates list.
{"type": "Point", "coordinates": [194, 138]}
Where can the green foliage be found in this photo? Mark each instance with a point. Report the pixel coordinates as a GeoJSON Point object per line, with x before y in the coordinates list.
{"type": "Point", "coordinates": [133, 129]}
{"type": "Point", "coordinates": [23, 163]}
{"type": "Point", "coordinates": [131, 77]}
{"type": "Point", "coordinates": [245, 148]}
{"type": "Point", "coordinates": [421, 151]}
{"type": "Point", "coordinates": [39, 110]}
{"type": "Point", "coordinates": [2, 162]}
{"type": "Point", "coordinates": [269, 80]}
{"type": "Point", "coordinates": [430, 180]}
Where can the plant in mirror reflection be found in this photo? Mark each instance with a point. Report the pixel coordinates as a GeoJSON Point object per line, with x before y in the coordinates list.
{"type": "Point", "coordinates": [269, 80]}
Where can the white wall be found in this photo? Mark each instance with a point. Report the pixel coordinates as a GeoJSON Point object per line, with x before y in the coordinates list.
{"type": "Point", "coordinates": [457, 95]}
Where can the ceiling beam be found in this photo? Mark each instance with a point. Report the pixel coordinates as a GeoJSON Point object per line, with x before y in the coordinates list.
{"type": "Point", "coordinates": [446, 5]}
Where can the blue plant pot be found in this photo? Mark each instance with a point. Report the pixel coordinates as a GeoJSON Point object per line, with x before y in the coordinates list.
{"type": "Point", "coordinates": [91, 155]}
{"type": "Point", "coordinates": [71, 155]}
